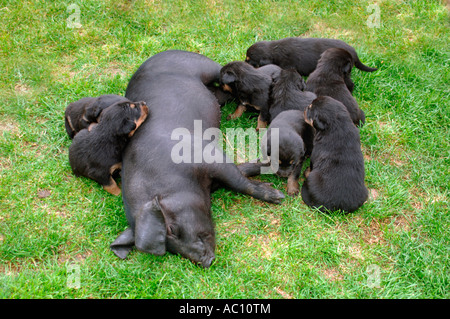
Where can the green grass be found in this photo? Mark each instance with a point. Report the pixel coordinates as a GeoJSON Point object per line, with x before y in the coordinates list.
{"type": "Point", "coordinates": [50, 220]}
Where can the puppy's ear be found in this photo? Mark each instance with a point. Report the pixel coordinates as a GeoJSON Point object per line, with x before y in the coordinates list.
{"type": "Point", "coordinates": [347, 68]}
{"type": "Point", "coordinates": [268, 147]}
{"type": "Point", "coordinates": [229, 77]}
{"type": "Point", "coordinates": [123, 244]}
{"type": "Point", "coordinates": [96, 110]}
{"type": "Point", "coordinates": [92, 112]}
{"type": "Point", "coordinates": [125, 105]}
{"type": "Point", "coordinates": [253, 63]}
{"type": "Point", "coordinates": [127, 127]}
{"type": "Point", "coordinates": [320, 123]}
{"type": "Point", "coordinates": [150, 230]}
{"type": "Point", "coordinates": [264, 61]}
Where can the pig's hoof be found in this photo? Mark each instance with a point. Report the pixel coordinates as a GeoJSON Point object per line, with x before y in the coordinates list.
{"type": "Point", "coordinates": [275, 196]}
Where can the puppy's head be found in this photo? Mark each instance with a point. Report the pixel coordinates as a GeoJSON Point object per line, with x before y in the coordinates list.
{"type": "Point", "coordinates": [259, 54]}
{"type": "Point", "coordinates": [338, 59]}
{"type": "Point", "coordinates": [292, 152]}
{"type": "Point", "coordinates": [325, 112]}
{"type": "Point", "coordinates": [94, 110]}
{"type": "Point", "coordinates": [292, 79]}
{"type": "Point", "coordinates": [232, 73]}
{"type": "Point", "coordinates": [124, 118]}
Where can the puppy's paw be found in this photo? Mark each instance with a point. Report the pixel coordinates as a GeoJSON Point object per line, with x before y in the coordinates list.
{"type": "Point", "coordinates": [293, 191]}
{"type": "Point", "coordinates": [307, 172]}
{"type": "Point", "coordinates": [112, 188]}
{"type": "Point", "coordinates": [261, 124]}
{"type": "Point", "coordinates": [293, 188]}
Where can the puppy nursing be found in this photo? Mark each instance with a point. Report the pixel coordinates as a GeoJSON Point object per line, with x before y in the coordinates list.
{"type": "Point", "coordinates": [288, 93]}
{"type": "Point", "coordinates": [96, 152]}
{"type": "Point", "coordinates": [336, 172]}
{"type": "Point", "coordinates": [250, 86]}
{"type": "Point", "coordinates": [292, 150]}
{"type": "Point", "coordinates": [82, 113]}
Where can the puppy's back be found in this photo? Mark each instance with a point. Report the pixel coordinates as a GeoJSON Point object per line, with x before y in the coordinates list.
{"type": "Point", "coordinates": [336, 180]}
{"type": "Point", "coordinates": [271, 70]}
{"type": "Point", "coordinates": [328, 79]}
{"type": "Point", "coordinates": [96, 150]}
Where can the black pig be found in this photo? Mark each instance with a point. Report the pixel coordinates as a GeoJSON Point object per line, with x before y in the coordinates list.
{"type": "Point", "coordinates": [167, 204]}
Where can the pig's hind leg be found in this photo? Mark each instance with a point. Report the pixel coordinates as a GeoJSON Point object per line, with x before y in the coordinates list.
{"type": "Point", "coordinates": [228, 175]}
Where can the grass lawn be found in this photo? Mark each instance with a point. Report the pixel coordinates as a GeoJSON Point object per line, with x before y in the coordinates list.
{"type": "Point", "coordinates": [55, 228]}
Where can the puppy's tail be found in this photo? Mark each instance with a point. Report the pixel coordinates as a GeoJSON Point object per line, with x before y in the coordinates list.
{"type": "Point", "coordinates": [363, 67]}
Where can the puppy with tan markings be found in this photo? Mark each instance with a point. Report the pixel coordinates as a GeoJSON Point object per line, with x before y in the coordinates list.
{"type": "Point", "coordinates": [250, 86]}
{"type": "Point", "coordinates": [96, 152]}
{"type": "Point", "coordinates": [294, 145]}
{"type": "Point", "coordinates": [299, 53]}
{"type": "Point", "coordinates": [82, 113]}
{"type": "Point", "coordinates": [336, 174]}
{"type": "Point", "coordinates": [328, 79]}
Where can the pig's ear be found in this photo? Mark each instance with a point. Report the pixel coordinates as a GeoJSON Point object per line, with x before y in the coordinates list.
{"type": "Point", "coordinates": [150, 230]}
{"type": "Point", "coordinates": [123, 244]}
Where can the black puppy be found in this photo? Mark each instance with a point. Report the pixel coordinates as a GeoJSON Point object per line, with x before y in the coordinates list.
{"type": "Point", "coordinates": [250, 86]}
{"type": "Point", "coordinates": [166, 188]}
{"type": "Point", "coordinates": [288, 93]}
{"type": "Point", "coordinates": [336, 174]}
{"type": "Point", "coordinates": [289, 151]}
{"type": "Point", "coordinates": [328, 80]}
{"type": "Point", "coordinates": [288, 101]}
{"type": "Point", "coordinates": [299, 53]}
{"type": "Point", "coordinates": [96, 152]}
{"type": "Point", "coordinates": [292, 149]}
{"type": "Point", "coordinates": [82, 113]}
